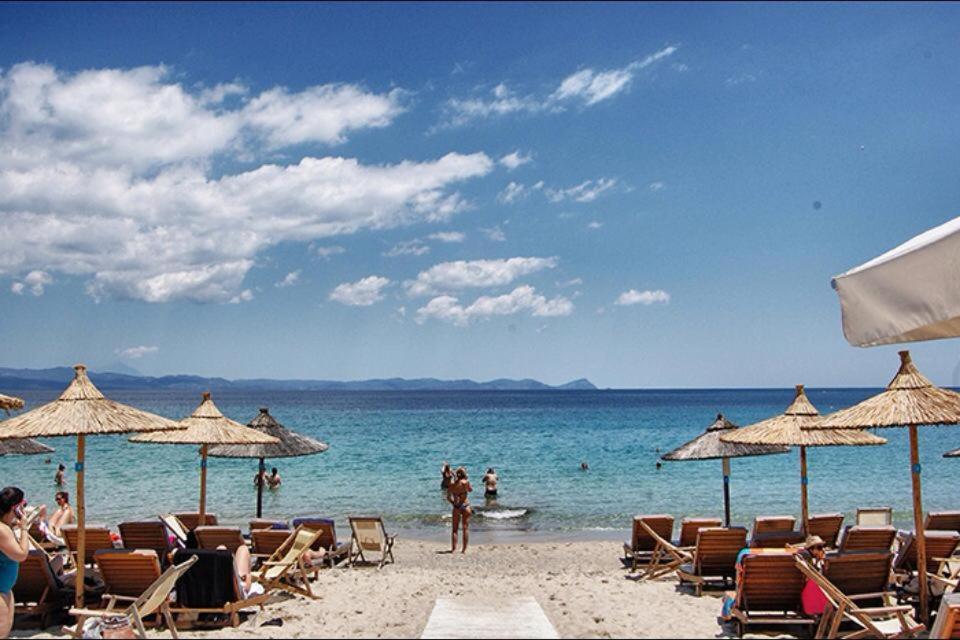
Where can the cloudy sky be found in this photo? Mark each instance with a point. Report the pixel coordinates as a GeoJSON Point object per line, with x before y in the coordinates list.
{"type": "Point", "coordinates": [644, 195]}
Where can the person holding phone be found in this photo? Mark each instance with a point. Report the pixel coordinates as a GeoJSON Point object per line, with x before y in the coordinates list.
{"type": "Point", "coordinates": [13, 551]}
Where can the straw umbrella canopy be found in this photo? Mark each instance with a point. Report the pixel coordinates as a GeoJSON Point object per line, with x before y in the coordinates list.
{"type": "Point", "coordinates": [207, 426]}
{"type": "Point", "coordinates": [18, 446]}
{"type": "Point", "coordinates": [81, 410]}
{"type": "Point", "coordinates": [289, 445]}
{"type": "Point", "coordinates": [789, 429]}
{"type": "Point", "coordinates": [910, 400]}
{"type": "Point", "coordinates": [9, 402]}
{"type": "Point", "coordinates": [709, 446]}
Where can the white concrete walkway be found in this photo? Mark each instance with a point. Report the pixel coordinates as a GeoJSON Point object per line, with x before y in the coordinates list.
{"type": "Point", "coordinates": [488, 618]}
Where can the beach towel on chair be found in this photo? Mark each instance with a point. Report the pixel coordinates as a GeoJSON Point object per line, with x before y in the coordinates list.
{"type": "Point", "coordinates": [210, 583]}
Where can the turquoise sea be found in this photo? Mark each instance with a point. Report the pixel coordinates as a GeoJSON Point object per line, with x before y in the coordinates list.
{"type": "Point", "coordinates": [386, 449]}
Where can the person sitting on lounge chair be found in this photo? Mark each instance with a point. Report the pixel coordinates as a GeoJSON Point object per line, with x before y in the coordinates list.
{"type": "Point", "coordinates": [52, 527]}
{"type": "Point", "coordinates": [242, 562]}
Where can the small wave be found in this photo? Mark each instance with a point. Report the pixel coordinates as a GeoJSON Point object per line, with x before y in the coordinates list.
{"type": "Point", "coordinates": [503, 514]}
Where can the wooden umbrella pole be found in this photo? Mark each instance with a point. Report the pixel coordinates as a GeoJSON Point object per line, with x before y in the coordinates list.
{"type": "Point", "coordinates": [726, 491]}
{"type": "Point", "coordinates": [804, 508]}
{"type": "Point", "coordinates": [81, 522]}
{"type": "Point", "coordinates": [260, 469]}
{"type": "Point", "coordinates": [918, 525]}
{"type": "Point", "coordinates": [203, 484]}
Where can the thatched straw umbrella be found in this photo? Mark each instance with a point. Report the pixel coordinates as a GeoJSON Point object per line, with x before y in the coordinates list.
{"type": "Point", "coordinates": [207, 426]}
{"type": "Point", "coordinates": [911, 401]}
{"type": "Point", "coordinates": [81, 410]}
{"type": "Point", "coordinates": [18, 446]}
{"type": "Point", "coordinates": [709, 446]}
{"type": "Point", "coordinates": [9, 402]}
{"type": "Point", "coordinates": [789, 429]}
{"type": "Point", "coordinates": [289, 445]}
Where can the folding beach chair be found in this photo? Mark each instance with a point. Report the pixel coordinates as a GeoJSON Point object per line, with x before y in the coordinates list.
{"type": "Point", "coordinates": [368, 534]}
{"type": "Point", "coordinates": [127, 573]}
{"type": "Point", "coordinates": [191, 520]}
{"type": "Point", "coordinates": [888, 621]}
{"type": "Point", "coordinates": [715, 556]}
{"type": "Point", "coordinates": [215, 537]}
{"type": "Point", "coordinates": [639, 550]}
{"type": "Point", "coordinates": [155, 599]}
{"type": "Point", "coordinates": [867, 538]}
{"type": "Point", "coordinates": [947, 623]}
{"type": "Point", "coordinates": [875, 517]}
{"type": "Point", "coordinates": [665, 558]}
{"type": "Point", "coordinates": [942, 521]}
{"type": "Point", "coordinates": [212, 586]}
{"type": "Point", "coordinates": [327, 540]}
{"type": "Point", "coordinates": [38, 591]}
{"type": "Point", "coordinates": [146, 534]}
{"type": "Point", "coordinates": [769, 589]}
{"type": "Point", "coordinates": [175, 528]}
{"type": "Point", "coordinates": [690, 529]}
{"type": "Point", "coordinates": [285, 569]}
{"type": "Point", "coordinates": [827, 526]}
{"type": "Point", "coordinates": [265, 542]}
{"type": "Point", "coordinates": [97, 538]}
{"type": "Point", "coordinates": [864, 576]}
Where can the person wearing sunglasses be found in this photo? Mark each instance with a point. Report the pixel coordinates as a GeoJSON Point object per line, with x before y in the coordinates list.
{"type": "Point", "coordinates": [13, 551]}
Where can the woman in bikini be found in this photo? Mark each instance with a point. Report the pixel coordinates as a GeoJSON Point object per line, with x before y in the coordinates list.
{"type": "Point", "coordinates": [457, 496]}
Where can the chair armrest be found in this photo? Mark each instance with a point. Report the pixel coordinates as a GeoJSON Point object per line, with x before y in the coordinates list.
{"type": "Point", "coordinates": [868, 596]}
{"type": "Point", "coordinates": [905, 608]}
{"type": "Point", "coordinates": [90, 613]}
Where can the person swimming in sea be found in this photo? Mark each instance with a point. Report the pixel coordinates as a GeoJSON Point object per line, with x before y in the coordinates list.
{"type": "Point", "coordinates": [490, 481]}
{"type": "Point", "coordinates": [457, 496]}
{"type": "Point", "coordinates": [584, 466]}
{"type": "Point", "coordinates": [273, 480]}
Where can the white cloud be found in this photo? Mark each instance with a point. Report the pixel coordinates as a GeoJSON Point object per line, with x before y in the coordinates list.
{"type": "Point", "coordinates": [494, 234]}
{"type": "Point", "coordinates": [657, 186]}
{"type": "Point", "coordinates": [595, 225]}
{"type": "Point", "coordinates": [740, 78]}
{"type": "Point", "coordinates": [327, 252]}
{"type": "Point", "coordinates": [524, 298]}
{"type": "Point", "coordinates": [135, 353]}
{"type": "Point", "coordinates": [463, 274]}
{"type": "Point", "coordinates": [512, 192]}
{"type": "Point", "coordinates": [361, 293]}
{"type": "Point", "coordinates": [289, 280]}
{"type": "Point", "coordinates": [448, 236]}
{"type": "Point", "coordinates": [648, 297]}
{"type": "Point", "coordinates": [595, 86]}
{"type": "Point", "coordinates": [35, 281]}
{"type": "Point", "coordinates": [513, 160]}
{"type": "Point", "coordinates": [570, 283]}
{"type": "Point", "coordinates": [586, 191]}
{"type": "Point", "coordinates": [501, 102]}
{"type": "Point", "coordinates": [407, 248]}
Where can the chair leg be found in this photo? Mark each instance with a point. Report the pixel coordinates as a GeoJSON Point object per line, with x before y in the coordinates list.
{"type": "Point", "coordinates": [171, 623]}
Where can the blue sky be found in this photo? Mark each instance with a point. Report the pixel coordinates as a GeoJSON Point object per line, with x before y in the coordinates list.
{"type": "Point", "coordinates": [645, 195]}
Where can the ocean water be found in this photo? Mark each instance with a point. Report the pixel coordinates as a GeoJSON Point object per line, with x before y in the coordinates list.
{"type": "Point", "coordinates": [386, 449]}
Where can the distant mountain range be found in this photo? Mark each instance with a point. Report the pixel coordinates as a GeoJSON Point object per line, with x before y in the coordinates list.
{"type": "Point", "coordinates": [58, 377]}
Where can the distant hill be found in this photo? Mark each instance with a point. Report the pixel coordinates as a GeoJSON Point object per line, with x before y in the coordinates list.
{"type": "Point", "coordinates": [58, 377]}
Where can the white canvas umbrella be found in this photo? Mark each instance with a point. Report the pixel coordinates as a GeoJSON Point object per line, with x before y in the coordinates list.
{"type": "Point", "coordinates": [909, 293]}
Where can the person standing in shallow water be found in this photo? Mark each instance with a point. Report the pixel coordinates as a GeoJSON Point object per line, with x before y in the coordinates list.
{"type": "Point", "coordinates": [58, 479]}
{"type": "Point", "coordinates": [446, 476]}
{"type": "Point", "coordinates": [490, 481]}
{"type": "Point", "coordinates": [457, 496]}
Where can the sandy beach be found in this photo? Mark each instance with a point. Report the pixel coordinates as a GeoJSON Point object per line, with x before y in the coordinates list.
{"type": "Point", "coordinates": [581, 587]}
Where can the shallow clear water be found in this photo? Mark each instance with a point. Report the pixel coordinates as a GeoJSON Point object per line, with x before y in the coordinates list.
{"type": "Point", "coordinates": [386, 449]}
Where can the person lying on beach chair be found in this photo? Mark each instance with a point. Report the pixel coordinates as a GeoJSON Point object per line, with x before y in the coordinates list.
{"type": "Point", "coordinates": [51, 528]}
{"type": "Point", "coordinates": [639, 550]}
{"type": "Point", "coordinates": [327, 538]}
{"type": "Point", "coordinates": [289, 566]}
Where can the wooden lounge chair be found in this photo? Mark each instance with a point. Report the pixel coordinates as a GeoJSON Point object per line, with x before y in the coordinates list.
{"type": "Point", "coordinates": [191, 521]}
{"type": "Point", "coordinates": [146, 534]}
{"type": "Point", "coordinates": [888, 621]}
{"type": "Point", "coordinates": [155, 599]}
{"type": "Point", "coordinates": [127, 572]}
{"type": "Point", "coordinates": [97, 538]}
{"type": "Point", "coordinates": [763, 525]}
{"type": "Point", "coordinates": [368, 534]}
{"type": "Point", "coordinates": [640, 548]}
{"type": "Point", "coordinates": [214, 537]}
{"type": "Point", "coordinates": [867, 538]}
{"type": "Point", "coordinates": [777, 539]}
{"type": "Point", "coordinates": [875, 517]}
{"type": "Point", "coordinates": [265, 542]}
{"type": "Point", "coordinates": [769, 589]}
{"type": "Point", "coordinates": [230, 606]}
{"type": "Point", "coordinates": [827, 526]}
{"type": "Point", "coordinates": [38, 592]}
{"type": "Point", "coordinates": [942, 521]}
{"type": "Point", "coordinates": [327, 540]}
{"type": "Point", "coordinates": [715, 556]}
{"type": "Point", "coordinates": [940, 545]}
{"type": "Point", "coordinates": [947, 623]}
{"type": "Point", "coordinates": [285, 569]}
{"type": "Point", "coordinates": [864, 576]}
{"type": "Point", "coordinates": [690, 529]}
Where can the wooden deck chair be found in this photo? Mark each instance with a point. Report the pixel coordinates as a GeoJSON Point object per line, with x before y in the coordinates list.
{"type": "Point", "coordinates": [947, 623]}
{"type": "Point", "coordinates": [827, 526]}
{"type": "Point", "coordinates": [265, 542]}
{"type": "Point", "coordinates": [231, 605]}
{"type": "Point", "coordinates": [336, 551]}
{"type": "Point", "coordinates": [127, 572]}
{"type": "Point", "coordinates": [715, 556]}
{"type": "Point", "coordinates": [214, 537]}
{"type": "Point", "coordinates": [37, 591]}
{"type": "Point", "coordinates": [191, 521]}
{"type": "Point", "coordinates": [690, 528]}
{"type": "Point", "coordinates": [940, 545]}
{"type": "Point", "coordinates": [777, 539]}
{"type": "Point", "coordinates": [875, 517]}
{"type": "Point", "coordinates": [175, 527]}
{"type": "Point", "coordinates": [285, 569]}
{"type": "Point", "coordinates": [666, 557]}
{"type": "Point", "coordinates": [867, 538]}
{"type": "Point", "coordinates": [772, 524]}
{"type": "Point", "coordinates": [97, 538]}
{"type": "Point", "coordinates": [864, 576]}
{"type": "Point", "coordinates": [261, 523]}
{"type": "Point", "coordinates": [942, 521]}
{"type": "Point", "coordinates": [889, 621]}
{"type": "Point", "coordinates": [368, 534]}
{"type": "Point", "coordinates": [146, 534]}
{"type": "Point", "coordinates": [639, 550]}
{"type": "Point", "coordinates": [155, 599]}
{"type": "Point", "coordinates": [769, 589]}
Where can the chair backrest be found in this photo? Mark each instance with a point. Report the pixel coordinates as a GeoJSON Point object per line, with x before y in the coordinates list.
{"type": "Point", "coordinates": [265, 542]}
{"type": "Point", "coordinates": [827, 526]}
{"type": "Point", "coordinates": [859, 572]}
{"type": "Point", "coordinates": [213, 537]}
{"type": "Point", "coordinates": [770, 524]}
{"type": "Point", "coordinates": [875, 517]}
{"type": "Point", "coordinates": [174, 526]}
{"type": "Point", "coordinates": [288, 555]}
{"type": "Point", "coordinates": [369, 533]}
{"type": "Point", "coordinates": [947, 624]}
{"type": "Point", "coordinates": [770, 582]}
{"type": "Point", "coordinates": [867, 538]}
{"type": "Point", "coordinates": [690, 529]}
{"type": "Point", "coordinates": [260, 523]}
{"type": "Point", "coordinates": [191, 521]}
{"type": "Point", "coordinates": [127, 572]}
{"type": "Point", "coordinates": [777, 539]}
{"type": "Point", "coordinates": [324, 526]}
{"type": "Point", "coordinates": [34, 577]}
{"type": "Point", "coordinates": [662, 524]}
{"type": "Point", "coordinates": [146, 534]}
{"type": "Point", "coordinates": [939, 544]}
{"type": "Point", "coordinates": [717, 550]}
{"type": "Point", "coordinates": [97, 538]}
{"type": "Point", "coordinates": [159, 592]}
{"type": "Point", "coordinates": [942, 521]}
